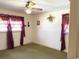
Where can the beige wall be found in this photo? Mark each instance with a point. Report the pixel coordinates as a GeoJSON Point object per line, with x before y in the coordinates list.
{"type": "Point", "coordinates": [73, 52]}
{"type": "Point", "coordinates": [28, 38]}
{"type": "Point", "coordinates": [49, 33]}
{"type": "Point", "coordinates": [78, 31]}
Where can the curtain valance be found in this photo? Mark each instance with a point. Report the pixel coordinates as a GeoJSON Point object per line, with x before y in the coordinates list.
{"type": "Point", "coordinates": [11, 17]}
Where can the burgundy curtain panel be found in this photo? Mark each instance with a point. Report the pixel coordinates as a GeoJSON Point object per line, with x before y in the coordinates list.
{"type": "Point", "coordinates": [10, 42]}
{"type": "Point", "coordinates": [22, 32]}
{"type": "Point", "coordinates": [17, 18]}
{"type": "Point", "coordinates": [65, 20]}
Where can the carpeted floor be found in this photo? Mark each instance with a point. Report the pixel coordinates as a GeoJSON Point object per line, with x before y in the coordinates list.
{"type": "Point", "coordinates": [32, 51]}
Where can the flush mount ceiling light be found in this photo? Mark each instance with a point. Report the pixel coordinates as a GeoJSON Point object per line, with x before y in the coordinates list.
{"type": "Point", "coordinates": [29, 7]}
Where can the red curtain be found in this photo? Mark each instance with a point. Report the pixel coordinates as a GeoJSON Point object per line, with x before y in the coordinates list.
{"type": "Point", "coordinates": [22, 33]}
{"type": "Point", "coordinates": [65, 20]}
{"type": "Point", "coordinates": [10, 42]}
{"type": "Point", "coordinates": [16, 18]}
{"type": "Point", "coordinates": [4, 17]}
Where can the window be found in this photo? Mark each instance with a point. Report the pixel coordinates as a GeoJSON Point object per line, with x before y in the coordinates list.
{"type": "Point", "coordinates": [16, 25]}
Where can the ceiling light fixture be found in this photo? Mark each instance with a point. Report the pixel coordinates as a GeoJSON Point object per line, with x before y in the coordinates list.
{"type": "Point", "coordinates": [50, 17]}
{"type": "Point", "coordinates": [29, 6]}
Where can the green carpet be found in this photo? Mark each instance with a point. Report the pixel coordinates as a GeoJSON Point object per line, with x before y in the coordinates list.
{"type": "Point", "coordinates": [32, 51]}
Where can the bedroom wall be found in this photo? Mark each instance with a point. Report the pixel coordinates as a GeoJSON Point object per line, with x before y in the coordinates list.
{"type": "Point", "coordinates": [49, 33]}
{"type": "Point", "coordinates": [27, 39]}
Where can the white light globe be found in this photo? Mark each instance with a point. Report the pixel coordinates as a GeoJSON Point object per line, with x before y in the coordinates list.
{"type": "Point", "coordinates": [28, 11]}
